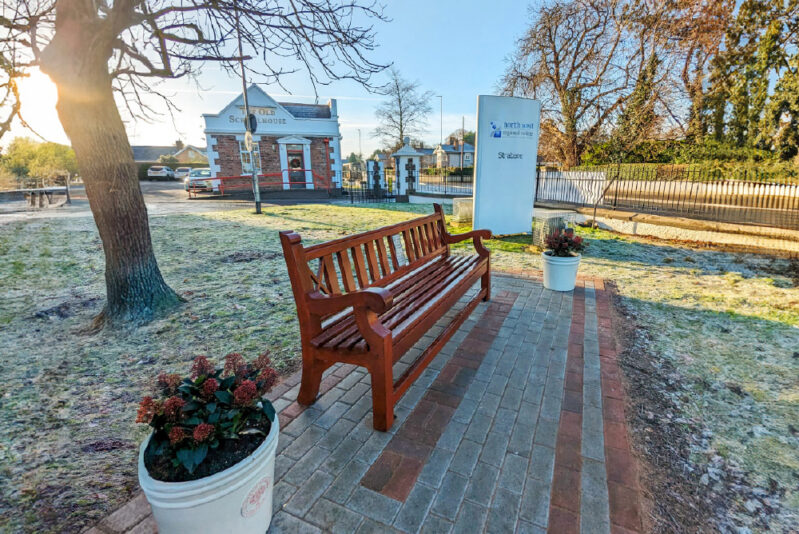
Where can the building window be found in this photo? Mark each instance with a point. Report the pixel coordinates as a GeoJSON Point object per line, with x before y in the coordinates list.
{"type": "Point", "coordinates": [246, 164]}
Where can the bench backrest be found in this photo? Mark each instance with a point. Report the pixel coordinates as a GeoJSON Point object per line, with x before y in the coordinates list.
{"type": "Point", "coordinates": [362, 260]}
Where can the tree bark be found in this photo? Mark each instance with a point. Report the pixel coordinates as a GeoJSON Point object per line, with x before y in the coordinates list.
{"type": "Point", "coordinates": [77, 61]}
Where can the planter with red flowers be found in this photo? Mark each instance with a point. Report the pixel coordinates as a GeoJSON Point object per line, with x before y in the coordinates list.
{"type": "Point", "coordinates": [208, 465]}
{"type": "Point", "coordinates": [562, 259]}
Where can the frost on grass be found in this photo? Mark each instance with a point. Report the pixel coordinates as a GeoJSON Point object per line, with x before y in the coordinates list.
{"type": "Point", "coordinates": [728, 322]}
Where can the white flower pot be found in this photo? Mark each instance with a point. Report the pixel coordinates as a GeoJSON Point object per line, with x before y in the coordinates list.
{"type": "Point", "coordinates": [238, 499]}
{"type": "Point", "coordinates": [560, 274]}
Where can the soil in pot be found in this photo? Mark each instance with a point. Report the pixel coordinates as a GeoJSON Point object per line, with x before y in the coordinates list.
{"type": "Point", "coordinates": [227, 454]}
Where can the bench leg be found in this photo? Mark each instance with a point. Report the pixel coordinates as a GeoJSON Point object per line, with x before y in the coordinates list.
{"type": "Point", "coordinates": [382, 393]}
{"type": "Point", "coordinates": [485, 283]}
{"type": "Point", "coordinates": [309, 382]}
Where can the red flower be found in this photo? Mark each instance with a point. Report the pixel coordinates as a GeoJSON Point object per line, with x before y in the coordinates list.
{"type": "Point", "coordinates": [235, 365]}
{"type": "Point", "coordinates": [266, 380]}
{"type": "Point", "coordinates": [173, 408]}
{"type": "Point", "coordinates": [169, 382]}
{"type": "Point", "coordinates": [245, 394]}
{"type": "Point", "coordinates": [202, 366]}
{"type": "Point", "coordinates": [209, 387]}
{"type": "Point", "coordinates": [262, 362]}
{"type": "Point", "coordinates": [203, 431]}
{"type": "Point", "coordinates": [147, 410]}
{"type": "Point", "coordinates": [176, 435]}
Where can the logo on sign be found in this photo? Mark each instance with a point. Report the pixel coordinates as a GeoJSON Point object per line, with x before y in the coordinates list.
{"type": "Point", "coordinates": [256, 497]}
{"type": "Point", "coordinates": [496, 131]}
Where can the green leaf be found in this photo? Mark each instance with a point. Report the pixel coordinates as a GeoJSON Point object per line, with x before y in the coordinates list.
{"type": "Point", "coordinates": [192, 406]}
{"type": "Point", "coordinates": [193, 421]}
{"type": "Point", "coordinates": [200, 454]}
{"type": "Point", "coordinates": [186, 459]}
{"type": "Point", "coordinates": [213, 418]}
{"type": "Point", "coordinates": [269, 410]}
{"type": "Point", "coordinates": [227, 383]}
{"type": "Point", "coordinates": [211, 407]}
{"type": "Point", "coordinates": [224, 396]}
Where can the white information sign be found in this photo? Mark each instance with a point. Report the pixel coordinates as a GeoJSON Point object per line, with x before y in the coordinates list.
{"type": "Point", "coordinates": [507, 147]}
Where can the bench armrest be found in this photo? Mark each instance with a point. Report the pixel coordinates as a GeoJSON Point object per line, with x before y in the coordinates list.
{"type": "Point", "coordinates": [476, 235]}
{"type": "Point", "coordinates": [375, 299]}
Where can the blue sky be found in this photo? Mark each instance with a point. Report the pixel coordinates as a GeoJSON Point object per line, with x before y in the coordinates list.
{"type": "Point", "coordinates": [455, 49]}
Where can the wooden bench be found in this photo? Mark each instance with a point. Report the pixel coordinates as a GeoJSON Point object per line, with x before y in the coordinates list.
{"type": "Point", "coordinates": [366, 299]}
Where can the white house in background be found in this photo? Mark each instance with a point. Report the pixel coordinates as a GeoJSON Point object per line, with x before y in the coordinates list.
{"type": "Point", "coordinates": [293, 141]}
{"type": "Point", "coordinates": [450, 155]}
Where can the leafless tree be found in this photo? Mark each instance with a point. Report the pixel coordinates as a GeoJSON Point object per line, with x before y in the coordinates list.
{"type": "Point", "coordinates": [90, 48]}
{"type": "Point", "coordinates": [404, 112]}
{"type": "Point", "coordinates": [581, 59]}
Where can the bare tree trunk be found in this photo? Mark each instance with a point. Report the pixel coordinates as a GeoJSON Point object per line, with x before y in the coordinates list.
{"type": "Point", "coordinates": [77, 61]}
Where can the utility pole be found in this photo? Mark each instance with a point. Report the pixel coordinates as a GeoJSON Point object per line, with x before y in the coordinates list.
{"type": "Point", "coordinates": [463, 124]}
{"type": "Point", "coordinates": [441, 115]}
{"type": "Point", "coordinates": [248, 126]}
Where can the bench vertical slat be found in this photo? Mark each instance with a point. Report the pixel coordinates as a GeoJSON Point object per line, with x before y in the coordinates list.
{"type": "Point", "coordinates": [417, 242]}
{"type": "Point", "coordinates": [330, 275]}
{"type": "Point", "coordinates": [360, 266]}
{"type": "Point", "coordinates": [381, 254]}
{"type": "Point", "coordinates": [434, 237]}
{"type": "Point", "coordinates": [426, 237]}
{"type": "Point", "coordinates": [417, 232]}
{"type": "Point", "coordinates": [346, 271]}
{"type": "Point", "coordinates": [393, 250]}
{"type": "Point", "coordinates": [371, 259]}
{"type": "Point", "coordinates": [409, 250]}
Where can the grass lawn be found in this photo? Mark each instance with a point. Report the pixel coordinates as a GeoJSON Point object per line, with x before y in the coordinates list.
{"type": "Point", "coordinates": [67, 404]}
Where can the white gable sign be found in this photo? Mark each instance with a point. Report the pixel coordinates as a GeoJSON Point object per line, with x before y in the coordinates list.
{"type": "Point", "coordinates": [505, 163]}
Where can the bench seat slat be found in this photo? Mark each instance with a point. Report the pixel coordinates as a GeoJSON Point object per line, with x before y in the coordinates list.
{"type": "Point", "coordinates": [398, 288]}
{"type": "Point", "coordinates": [411, 294]}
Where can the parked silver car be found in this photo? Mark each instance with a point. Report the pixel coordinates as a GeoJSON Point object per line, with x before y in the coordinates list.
{"type": "Point", "coordinates": [161, 172]}
{"type": "Point", "coordinates": [182, 172]}
{"type": "Point", "coordinates": [199, 180]}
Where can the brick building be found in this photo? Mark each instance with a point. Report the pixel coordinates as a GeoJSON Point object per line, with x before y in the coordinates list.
{"type": "Point", "coordinates": [296, 144]}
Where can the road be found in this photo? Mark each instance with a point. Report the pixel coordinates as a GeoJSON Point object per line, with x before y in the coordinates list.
{"type": "Point", "coordinates": [161, 198]}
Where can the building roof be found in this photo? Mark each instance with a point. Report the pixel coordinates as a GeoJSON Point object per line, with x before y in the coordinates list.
{"type": "Point", "coordinates": [452, 149]}
{"type": "Point", "coordinates": [307, 111]}
{"type": "Point", "coordinates": [150, 152]}
{"type": "Point", "coordinates": [425, 151]}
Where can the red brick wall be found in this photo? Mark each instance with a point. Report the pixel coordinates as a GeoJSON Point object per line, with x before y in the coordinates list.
{"type": "Point", "coordinates": [270, 158]}
{"type": "Point", "coordinates": [228, 157]}
{"type": "Point", "coordinates": [318, 159]}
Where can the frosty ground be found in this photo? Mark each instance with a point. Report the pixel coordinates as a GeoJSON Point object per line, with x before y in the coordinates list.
{"type": "Point", "coordinates": [726, 323]}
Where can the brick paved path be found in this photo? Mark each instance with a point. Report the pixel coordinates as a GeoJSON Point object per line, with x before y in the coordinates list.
{"type": "Point", "coordinates": [517, 426]}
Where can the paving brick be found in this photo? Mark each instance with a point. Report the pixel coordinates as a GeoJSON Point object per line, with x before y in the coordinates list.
{"type": "Point", "coordinates": [334, 518]}
{"type": "Point", "coordinates": [465, 457]}
{"type": "Point", "coordinates": [308, 493]}
{"type": "Point", "coordinates": [563, 521]}
{"type": "Point", "coordinates": [504, 511]}
{"type": "Point", "coordinates": [546, 432]}
{"type": "Point", "coordinates": [285, 523]}
{"type": "Point", "coordinates": [373, 527]}
{"type": "Point", "coordinates": [436, 525]}
{"type": "Point", "coordinates": [535, 502]}
{"type": "Point", "coordinates": [414, 511]}
{"type": "Point", "coordinates": [494, 448]}
{"type": "Point", "coordinates": [478, 427]}
{"type": "Point", "coordinates": [303, 443]}
{"type": "Point", "coordinates": [282, 493]}
{"type": "Point", "coordinates": [341, 456]}
{"type": "Point", "coordinates": [146, 526]}
{"type": "Point", "coordinates": [373, 505]}
{"type": "Point", "coordinates": [127, 516]}
{"type": "Point", "coordinates": [513, 473]}
{"type": "Point", "coordinates": [450, 496]}
{"type": "Point", "coordinates": [343, 486]}
{"type": "Point", "coordinates": [332, 415]}
{"type": "Point", "coordinates": [452, 435]}
{"type": "Point", "coordinates": [504, 420]}
{"type": "Point", "coordinates": [306, 466]}
{"type": "Point", "coordinates": [436, 467]}
{"type": "Point", "coordinates": [471, 518]}
{"type": "Point", "coordinates": [528, 528]}
{"type": "Point", "coordinates": [521, 441]}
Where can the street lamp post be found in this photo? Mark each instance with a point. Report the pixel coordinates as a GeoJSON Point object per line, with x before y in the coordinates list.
{"type": "Point", "coordinates": [249, 125]}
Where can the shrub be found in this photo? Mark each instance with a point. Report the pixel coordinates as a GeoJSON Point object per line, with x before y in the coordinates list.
{"type": "Point", "coordinates": [209, 420]}
{"type": "Point", "coordinates": [564, 243]}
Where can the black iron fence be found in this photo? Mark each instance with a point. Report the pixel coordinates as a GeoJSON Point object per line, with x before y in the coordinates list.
{"type": "Point", "coordinates": [698, 193]}
{"type": "Point", "coordinates": [453, 184]}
